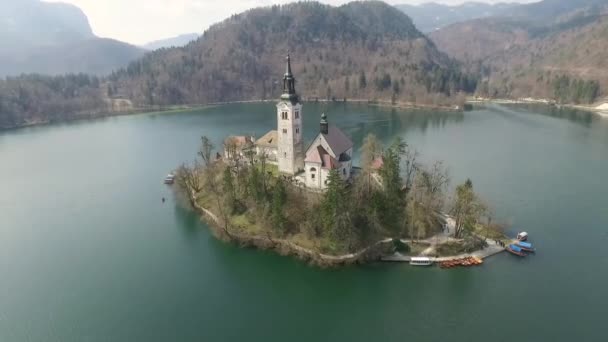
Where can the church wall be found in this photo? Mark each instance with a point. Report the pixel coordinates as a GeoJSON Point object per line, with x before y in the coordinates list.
{"type": "Point", "coordinates": [316, 181]}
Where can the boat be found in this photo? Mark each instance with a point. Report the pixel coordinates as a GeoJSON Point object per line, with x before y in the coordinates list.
{"type": "Point", "coordinates": [421, 261]}
{"type": "Point", "coordinates": [513, 249]}
{"type": "Point", "coordinates": [468, 261]}
{"type": "Point", "coordinates": [525, 246]}
{"type": "Point", "coordinates": [170, 179]}
{"type": "Point", "coordinates": [522, 236]}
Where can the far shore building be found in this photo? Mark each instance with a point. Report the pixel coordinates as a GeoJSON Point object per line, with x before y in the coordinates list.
{"type": "Point", "coordinates": [330, 150]}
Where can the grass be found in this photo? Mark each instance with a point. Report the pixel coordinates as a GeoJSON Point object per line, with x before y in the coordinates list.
{"type": "Point", "coordinates": [417, 247]}
{"type": "Point", "coordinates": [273, 169]}
{"type": "Point", "coordinates": [491, 233]}
{"type": "Point", "coordinates": [450, 249]}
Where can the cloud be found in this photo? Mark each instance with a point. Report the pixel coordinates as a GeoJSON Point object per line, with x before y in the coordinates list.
{"type": "Point", "coordinates": [141, 21]}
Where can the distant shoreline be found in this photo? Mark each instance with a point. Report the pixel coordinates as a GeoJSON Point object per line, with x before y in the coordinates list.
{"type": "Point", "coordinates": [93, 115]}
{"type": "Point", "coordinates": [588, 108]}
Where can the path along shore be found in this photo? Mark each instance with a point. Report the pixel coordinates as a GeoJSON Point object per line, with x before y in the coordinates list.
{"type": "Point", "coordinates": [290, 248]}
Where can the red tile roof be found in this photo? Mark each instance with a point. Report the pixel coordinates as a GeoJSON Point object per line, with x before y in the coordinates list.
{"type": "Point", "coordinates": [320, 156]}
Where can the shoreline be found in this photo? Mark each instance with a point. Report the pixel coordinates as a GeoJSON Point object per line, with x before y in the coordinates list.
{"type": "Point", "coordinates": [371, 253]}
{"type": "Point", "coordinates": [587, 108]}
{"type": "Point", "coordinates": [93, 115]}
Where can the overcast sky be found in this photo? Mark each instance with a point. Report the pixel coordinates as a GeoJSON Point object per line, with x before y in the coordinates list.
{"type": "Point", "coordinates": [142, 21]}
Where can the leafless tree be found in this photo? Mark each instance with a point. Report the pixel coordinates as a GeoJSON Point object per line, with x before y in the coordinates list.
{"type": "Point", "coordinates": [206, 150]}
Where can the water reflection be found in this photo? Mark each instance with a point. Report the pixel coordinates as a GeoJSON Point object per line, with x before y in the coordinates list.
{"type": "Point", "coordinates": [574, 115]}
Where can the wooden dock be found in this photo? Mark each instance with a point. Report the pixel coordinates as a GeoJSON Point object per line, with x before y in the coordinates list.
{"type": "Point", "coordinates": [492, 249]}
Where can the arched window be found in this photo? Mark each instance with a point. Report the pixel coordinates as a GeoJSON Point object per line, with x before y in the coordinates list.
{"type": "Point", "coordinates": [312, 169]}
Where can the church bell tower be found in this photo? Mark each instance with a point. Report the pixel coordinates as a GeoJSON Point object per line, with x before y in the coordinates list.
{"type": "Point", "coordinates": [290, 153]}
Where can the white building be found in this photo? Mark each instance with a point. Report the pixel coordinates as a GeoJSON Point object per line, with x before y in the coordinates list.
{"type": "Point", "coordinates": [290, 149]}
{"type": "Point", "coordinates": [331, 150]}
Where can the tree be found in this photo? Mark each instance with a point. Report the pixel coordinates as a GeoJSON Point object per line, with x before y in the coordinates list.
{"type": "Point", "coordinates": [425, 200]}
{"type": "Point", "coordinates": [390, 201]}
{"type": "Point", "coordinates": [362, 80]}
{"type": "Point", "coordinates": [231, 149]}
{"type": "Point", "coordinates": [334, 199]}
{"type": "Point", "coordinates": [205, 150]}
{"type": "Point", "coordinates": [467, 208]}
{"type": "Point", "coordinates": [370, 151]}
{"type": "Point", "coordinates": [188, 178]}
{"type": "Point", "coordinates": [279, 201]}
{"type": "Point", "coordinates": [229, 190]}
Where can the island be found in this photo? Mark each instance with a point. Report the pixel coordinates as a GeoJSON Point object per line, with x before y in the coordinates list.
{"type": "Point", "coordinates": [313, 203]}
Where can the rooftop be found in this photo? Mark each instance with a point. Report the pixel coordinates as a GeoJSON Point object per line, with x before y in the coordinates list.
{"type": "Point", "coordinates": [337, 140]}
{"type": "Point", "coordinates": [268, 140]}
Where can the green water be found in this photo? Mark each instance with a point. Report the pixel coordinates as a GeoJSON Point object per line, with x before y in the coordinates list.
{"type": "Point", "coordinates": [89, 253]}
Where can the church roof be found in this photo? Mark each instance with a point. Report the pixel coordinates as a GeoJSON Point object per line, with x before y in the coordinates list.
{"type": "Point", "coordinates": [319, 155]}
{"type": "Point", "coordinates": [337, 140]}
{"type": "Point", "coordinates": [268, 140]}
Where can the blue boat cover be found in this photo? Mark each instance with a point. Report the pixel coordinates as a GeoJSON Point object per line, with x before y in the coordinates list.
{"type": "Point", "coordinates": [515, 248]}
{"type": "Point", "coordinates": [525, 244]}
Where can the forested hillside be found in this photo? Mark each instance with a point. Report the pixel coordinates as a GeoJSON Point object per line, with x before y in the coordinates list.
{"type": "Point", "coordinates": [359, 50]}
{"type": "Point", "coordinates": [432, 16]}
{"type": "Point", "coordinates": [35, 99]}
{"type": "Point", "coordinates": [362, 50]}
{"type": "Point", "coordinates": [552, 49]}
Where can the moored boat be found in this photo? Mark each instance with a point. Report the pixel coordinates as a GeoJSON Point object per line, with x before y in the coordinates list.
{"type": "Point", "coordinates": [515, 250]}
{"type": "Point", "coordinates": [522, 236]}
{"type": "Point", "coordinates": [525, 246]}
{"type": "Point", "coordinates": [170, 179]}
{"type": "Point", "coordinates": [421, 261]}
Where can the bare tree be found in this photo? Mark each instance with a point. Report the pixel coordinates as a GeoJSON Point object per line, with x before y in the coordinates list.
{"type": "Point", "coordinates": [231, 149]}
{"type": "Point", "coordinates": [467, 208]}
{"type": "Point", "coordinates": [188, 178]}
{"type": "Point", "coordinates": [205, 150]}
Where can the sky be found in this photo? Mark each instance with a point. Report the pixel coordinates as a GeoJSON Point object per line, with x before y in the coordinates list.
{"type": "Point", "coordinates": [141, 21]}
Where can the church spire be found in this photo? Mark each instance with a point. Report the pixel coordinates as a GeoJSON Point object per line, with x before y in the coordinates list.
{"type": "Point", "coordinates": [289, 84]}
{"type": "Point", "coordinates": [324, 124]}
{"type": "Point", "coordinates": [288, 72]}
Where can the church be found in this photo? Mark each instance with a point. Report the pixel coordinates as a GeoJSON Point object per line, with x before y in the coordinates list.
{"type": "Point", "coordinates": [330, 150]}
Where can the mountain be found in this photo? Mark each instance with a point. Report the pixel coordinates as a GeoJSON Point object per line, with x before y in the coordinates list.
{"type": "Point", "coordinates": [178, 41]}
{"type": "Point", "coordinates": [36, 23]}
{"type": "Point", "coordinates": [362, 50]}
{"type": "Point", "coordinates": [534, 49]}
{"type": "Point", "coordinates": [432, 16]}
{"type": "Point", "coordinates": [55, 38]}
{"type": "Point", "coordinates": [97, 56]}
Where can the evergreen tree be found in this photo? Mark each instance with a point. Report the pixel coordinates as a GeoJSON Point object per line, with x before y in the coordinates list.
{"type": "Point", "coordinates": [279, 201]}
{"type": "Point", "coordinates": [229, 190]}
{"type": "Point", "coordinates": [362, 80]}
{"type": "Point", "coordinates": [334, 200]}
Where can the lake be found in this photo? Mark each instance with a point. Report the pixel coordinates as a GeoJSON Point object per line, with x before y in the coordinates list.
{"type": "Point", "coordinates": [88, 252]}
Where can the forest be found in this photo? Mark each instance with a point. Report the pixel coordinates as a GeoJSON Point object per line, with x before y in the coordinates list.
{"type": "Point", "coordinates": [34, 99]}
{"type": "Point", "coordinates": [403, 199]}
